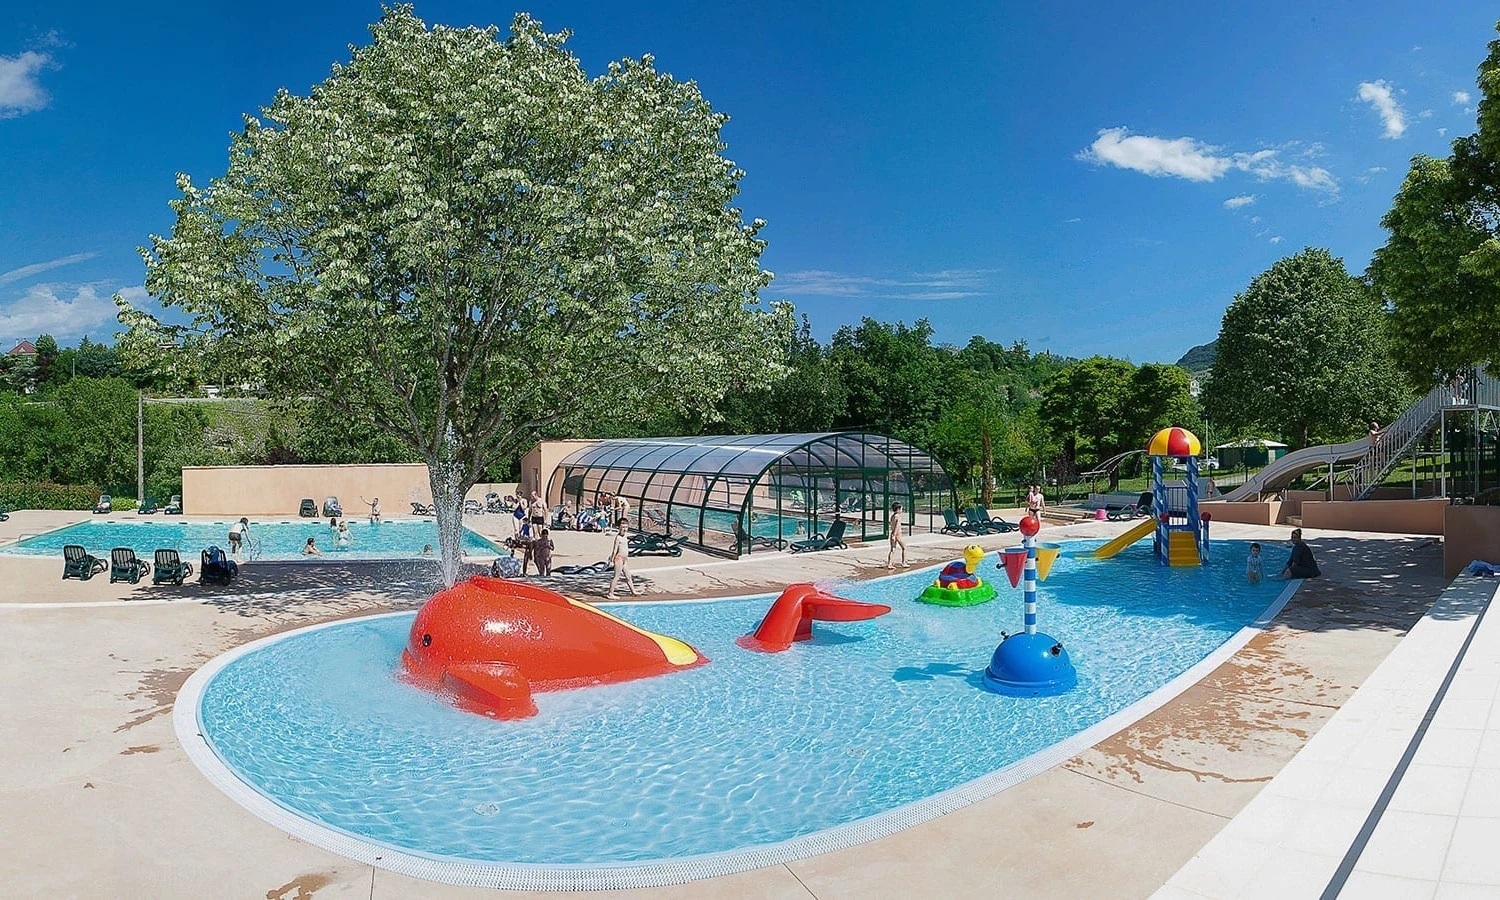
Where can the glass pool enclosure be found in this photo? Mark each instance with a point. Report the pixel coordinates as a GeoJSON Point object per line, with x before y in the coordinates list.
{"type": "Point", "coordinates": [733, 494]}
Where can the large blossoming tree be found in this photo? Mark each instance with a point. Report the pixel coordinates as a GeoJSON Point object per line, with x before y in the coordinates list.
{"type": "Point", "coordinates": [463, 239]}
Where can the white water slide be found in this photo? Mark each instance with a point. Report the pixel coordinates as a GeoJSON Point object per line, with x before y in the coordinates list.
{"type": "Point", "coordinates": [1373, 461]}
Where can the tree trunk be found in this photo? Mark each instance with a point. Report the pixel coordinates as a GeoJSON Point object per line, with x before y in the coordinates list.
{"type": "Point", "coordinates": [448, 490]}
{"type": "Point", "coordinates": [986, 466]}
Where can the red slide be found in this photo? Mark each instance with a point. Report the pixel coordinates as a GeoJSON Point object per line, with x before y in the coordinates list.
{"type": "Point", "coordinates": [488, 644]}
{"type": "Point", "coordinates": [790, 618]}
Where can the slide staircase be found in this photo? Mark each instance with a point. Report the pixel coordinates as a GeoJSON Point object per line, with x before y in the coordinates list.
{"type": "Point", "coordinates": [1373, 460]}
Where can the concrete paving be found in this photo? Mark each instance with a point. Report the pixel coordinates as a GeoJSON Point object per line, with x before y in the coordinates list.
{"type": "Point", "coordinates": [99, 799]}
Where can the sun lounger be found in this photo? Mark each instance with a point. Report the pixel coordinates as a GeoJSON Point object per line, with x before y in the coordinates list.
{"type": "Point", "coordinates": [77, 563]}
{"type": "Point", "coordinates": [124, 566]}
{"type": "Point", "coordinates": [105, 505]}
{"type": "Point", "coordinates": [170, 568]}
{"type": "Point", "coordinates": [833, 540]}
{"type": "Point", "coordinates": [308, 508]}
{"type": "Point", "coordinates": [650, 542]}
{"type": "Point", "coordinates": [951, 525]}
{"type": "Point", "coordinates": [3, 514]}
{"type": "Point", "coordinates": [422, 509]}
{"type": "Point", "coordinates": [601, 567]}
{"type": "Point", "coordinates": [216, 568]}
{"type": "Point", "coordinates": [473, 508]}
{"type": "Point", "coordinates": [173, 507]}
{"type": "Point", "coordinates": [332, 508]}
{"type": "Point", "coordinates": [148, 508]}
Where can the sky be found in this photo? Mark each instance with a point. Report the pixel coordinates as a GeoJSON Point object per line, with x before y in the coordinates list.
{"type": "Point", "coordinates": [1087, 178]}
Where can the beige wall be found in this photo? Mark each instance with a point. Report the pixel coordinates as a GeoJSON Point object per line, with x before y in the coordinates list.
{"type": "Point", "coordinates": [540, 462]}
{"type": "Point", "coordinates": [1264, 512]}
{"type": "Point", "coordinates": [1393, 516]}
{"type": "Point", "coordinates": [277, 490]}
{"type": "Point", "coordinates": [1470, 533]}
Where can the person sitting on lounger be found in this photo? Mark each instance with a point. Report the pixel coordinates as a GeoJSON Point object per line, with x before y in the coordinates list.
{"type": "Point", "coordinates": [311, 548]}
{"type": "Point", "coordinates": [1301, 563]}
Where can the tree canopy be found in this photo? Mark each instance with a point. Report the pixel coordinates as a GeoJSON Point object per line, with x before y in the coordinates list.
{"type": "Point", "coordinates": [1440, 268]}
{"type": "Point", "coordinates": [1303, 354]}
{"type": "Point", "coordinates": [463, 240]}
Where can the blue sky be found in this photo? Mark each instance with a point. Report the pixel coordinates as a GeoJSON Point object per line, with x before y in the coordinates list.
{"type": "Point", "coordinates": [1087, 180]}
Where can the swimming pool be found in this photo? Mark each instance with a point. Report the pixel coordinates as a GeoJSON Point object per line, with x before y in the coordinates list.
{"type": "Point", "coordinates": [870, 719]}
{"type": "Point", "coordinates": [277, 540]}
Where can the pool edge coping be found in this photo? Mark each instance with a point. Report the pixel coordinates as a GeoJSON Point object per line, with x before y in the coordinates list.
{"type": "Point", "coordinates": [186, 722]}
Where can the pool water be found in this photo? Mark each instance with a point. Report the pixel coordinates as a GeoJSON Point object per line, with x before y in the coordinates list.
{"type": "Point", "coordinates": [749, 750]}
{"type": "Point", "coordinates": [283, 540]}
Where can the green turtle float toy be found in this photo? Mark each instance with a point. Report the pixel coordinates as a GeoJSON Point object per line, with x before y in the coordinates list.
{"type": "Point", "coordinates": [959, 583]}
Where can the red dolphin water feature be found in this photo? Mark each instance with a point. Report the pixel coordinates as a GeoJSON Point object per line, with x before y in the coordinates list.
{"type": "Point", "coordinates": [488, 644]}
{"type": "Point", "coordinates": [790, 618]}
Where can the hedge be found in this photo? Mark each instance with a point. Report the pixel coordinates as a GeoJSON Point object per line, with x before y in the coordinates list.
{"type": "Point", "coordinates": [46, 495]}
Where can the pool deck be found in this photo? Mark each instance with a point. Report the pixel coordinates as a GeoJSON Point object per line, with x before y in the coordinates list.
{"type": "Point", "coordinates": [101, 801]}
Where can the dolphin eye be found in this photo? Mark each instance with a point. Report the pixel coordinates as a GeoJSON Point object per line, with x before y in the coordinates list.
{"type": "Point", "coordinates": [426, 640]}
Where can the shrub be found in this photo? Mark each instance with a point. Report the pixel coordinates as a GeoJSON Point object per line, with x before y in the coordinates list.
{"type": "Point", "coordinates": [46, 495]}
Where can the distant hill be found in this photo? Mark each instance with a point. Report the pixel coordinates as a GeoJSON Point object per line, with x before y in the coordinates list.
{"type": "Point", "coordinates": [1200, 358]}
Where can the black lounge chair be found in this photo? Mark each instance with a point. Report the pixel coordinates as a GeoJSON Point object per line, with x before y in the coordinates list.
{"type": "Point", "coordinates": [650, 542]}
{"type": "Point", "coordinates": [473, 508]}
{"type": "Point", "coordinates": [1141, 507]}
{"type": "Point", "coordinates": [149, 508]}
{"type": "Point", "coordinates": [216, 568]}
{"type": "Point", "coordinates": [951, 525]}
{"type": "Point", "coordinates": [170, 568]}
{"type": "Point", "coordinates": [106, 504]}
{"type": "Point", "coordinates": [308, 508]}
{"type": "Point", "coordinates": [173, 507]}
{"type": "Point", "coordinates": [123, 566]}
{"type": "Point", "coordinates": [833, 540]}
{"type": "Point", "coordinates": [755, 540]}
{"type": "Point", "coordinates": [602, 567]}
{"type": "Point", "coordinates": [77, 563]}
{"type": "Point", "coordinates": [493, 503]}
{"type": "Point", "coordinates": [3, 514]}
{"type": "Point", "coordinates": [422, 509]}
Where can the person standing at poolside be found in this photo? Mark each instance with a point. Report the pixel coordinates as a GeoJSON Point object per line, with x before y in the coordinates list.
{"type": "Point", "coordinates": [1036, 501]}
{"type": "Point", "coordinates": [619, 557]}
{"type": "Point", "coordinates": [238, 532]}
{"type": "Point", "coordinates": [621, 511]}
{"type": "Point", "coordinates": [542, 549]}
{"type": "Point", "coordinates": [538, 511]}
{"type": "Point", "coordinates": [895, 528]}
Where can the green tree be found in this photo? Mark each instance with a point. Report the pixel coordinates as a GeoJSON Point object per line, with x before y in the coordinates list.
{"type": "Point", "coordinates": [1439, 270]}
{"type": "Point", "coordinates": [895, 379]}
{"type": "Point", "coordinates": [1303, 354]}
{"type": "Point", "coordinates": [46, 359]}
{"type": "Point", "coordinates": [464, 240]}
{"type": "Point", "coordinates": [1086, 407]}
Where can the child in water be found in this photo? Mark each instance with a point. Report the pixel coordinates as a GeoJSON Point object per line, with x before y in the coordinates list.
{"type": "Point", "coordinates": [1254, 572]}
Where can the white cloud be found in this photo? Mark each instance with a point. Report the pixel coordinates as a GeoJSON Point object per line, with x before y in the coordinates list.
{"type": "Point", "coordinates": [1255, 220]}
{"type": "Point", "coordinates": [1374, 169]}
{"type": "Point", "coordinates": [20, 92]}
{"type": "Point", "coordinates": [1182, 157]}
{"type": "Point", "coordinates": [38, 268]}
{"type": "Point", "coordinates": [1277, 239]}
{"type": "Point", "coordinates": [61, 310]}
{"type": "Point", "coordinates": [1442, 132]}
{"type": "Point", "coordinates": [949, 284]}
{"type": "Point", "coordinates": [1073, 221]}
{"type": "Point", "coordinates": [1382, 98]}
{"type": "Point", "coordinates": [1194, 160]}
{"type": "Point", "coordinates": [1461, 97]}
{"type": "Point", "coordinates": [1241, 200]}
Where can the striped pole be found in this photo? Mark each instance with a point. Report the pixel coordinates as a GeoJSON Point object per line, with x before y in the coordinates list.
{"type": "Point", "coordinates": [1029, 583]}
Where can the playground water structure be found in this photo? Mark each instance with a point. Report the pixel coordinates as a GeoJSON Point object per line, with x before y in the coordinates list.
{"type": "Point", "coordinates": [868, 727]}
{"type": "Point", "coordinates": [275, 540]}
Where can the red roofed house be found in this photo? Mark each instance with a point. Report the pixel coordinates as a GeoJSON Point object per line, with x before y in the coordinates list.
{"type": "Point", "coordinates": [25, 348]}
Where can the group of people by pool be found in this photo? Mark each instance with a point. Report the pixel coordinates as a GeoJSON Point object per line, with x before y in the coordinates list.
{"type": "Point", "coordinates": [1300, 564]}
